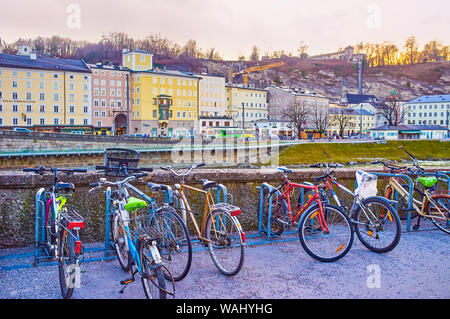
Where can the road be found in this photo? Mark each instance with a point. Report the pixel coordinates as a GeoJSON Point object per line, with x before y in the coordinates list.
{"type": "Point", "coordinates": [417, 268]}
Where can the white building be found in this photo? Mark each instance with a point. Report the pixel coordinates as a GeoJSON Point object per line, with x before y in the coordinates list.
{"type": "Point", "coordinates": [409, 132]}
{"type": "Point", "coordinates": [429, 109]}
{"type": "Point", "coordinates": [212, 98]}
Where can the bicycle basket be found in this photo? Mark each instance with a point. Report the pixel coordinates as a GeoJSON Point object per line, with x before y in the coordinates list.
{"type": "Point", "coordinates": [366, 185]}
{"type": "Point", "coordinates": [118, 157]}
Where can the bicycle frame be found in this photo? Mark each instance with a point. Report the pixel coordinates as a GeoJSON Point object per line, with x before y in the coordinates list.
{"type": "Point", "coordinates": [288, 187]}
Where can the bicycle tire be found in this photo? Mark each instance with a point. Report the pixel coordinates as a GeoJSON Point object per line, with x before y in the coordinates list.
{"type": "Point", "coordinates": [175, 242]}
{"type": "Point", "coordinates": [223, 248]}
{"type": "Point", "coordinates": [279, 211]}
{"type": "Point", "coordinates": [443, 201]}
{"type": "Point", "coordinates": [313, 239]}
{"type": "Point", "coordinates": [66, 263]}
{"type": "Point", "coordinates": [386, 217]}
{"type": "Point", "coordinates": [119, 241]}
{"type": "Point", "coordinates": [149, 274]}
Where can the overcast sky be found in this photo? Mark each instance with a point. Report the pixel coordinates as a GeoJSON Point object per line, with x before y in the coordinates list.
{"type": "Point", "coordinates": [233, 26]}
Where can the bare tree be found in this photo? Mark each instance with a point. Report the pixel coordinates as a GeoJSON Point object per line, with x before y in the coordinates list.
{"type": "Point", "coordinates": [342, 121]}
{"type": "Point", "coordinates": [255, 54]}
{"type": "Point", "coordinates": [297, 113]}
{"type": "Point", "coordinates": [319, 117]}
{"type": "Point", "coordinates": [392, 111]}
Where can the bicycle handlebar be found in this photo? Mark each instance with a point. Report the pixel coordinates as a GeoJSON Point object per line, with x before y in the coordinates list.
{"type": "Point", "coordinates": [192, 167]}
{"type": "Point", "coordinates": [43, 169]}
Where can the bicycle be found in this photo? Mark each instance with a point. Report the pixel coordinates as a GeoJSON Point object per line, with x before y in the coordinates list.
{"type": "Point", "coordinates": [62, 225]}
{"type": "Point", "coordinates": [175, 248]}
{"type": "Point", "coordinates": [325, 231]}
{"type": "Point", "coordinates": [433, 206]}
{"type": "Point", "coordinates": [220, 230]}
{"type": "Point", "coordinates": [135, 238]}
{"type": "Point", "coordinates": [376, 223]}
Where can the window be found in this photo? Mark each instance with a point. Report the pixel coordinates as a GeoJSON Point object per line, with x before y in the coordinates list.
{"type": "Point", "coordinates": [55, 97]}
{"type": "Point", "coordinates": [41, 121]}
{"type": "Point", "coordinates": [55, 108]}
{"type": "Point", "coordinates": [29, 108]}
{"type": "Point", "coordinates": [41, 96]}
{"type": "Point", "coordinates": [71, 109]}
{"type": "Point", "coordinates": [28, 96]}
{"type": "Point", "coordinates": [85, 121]}
{"type": "Point", "coordinates": [72, 121]}
{"type": "Point", "coordinates": [56, 121]}
{"type": "Point", "coordinates": [41, 108]}
{"type": "Point", "coordinates": [15, 108]}
{"type": "Point", "coordinates": [15, 121]}
{"type": "Point", "coordinates": [85, 109]}
{"type": "Point", "coordinates": [14, 84]}
{"type": "Point", "coordinates": [103, 103]}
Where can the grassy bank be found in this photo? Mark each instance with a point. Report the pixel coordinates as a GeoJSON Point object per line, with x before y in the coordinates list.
{"type": "Point", "coordinates": [365, 152]}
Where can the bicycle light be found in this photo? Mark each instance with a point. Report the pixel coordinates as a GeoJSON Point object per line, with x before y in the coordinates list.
{"type": "Point", "coordinates": [235, 212]}
{"type": "Point", "coordinates": [76, 224]}
{"type": "Point", "coordinates": [77, 247]}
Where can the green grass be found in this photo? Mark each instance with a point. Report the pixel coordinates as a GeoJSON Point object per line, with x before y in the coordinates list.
{"type": "Point", "coordinates": [364, 152]}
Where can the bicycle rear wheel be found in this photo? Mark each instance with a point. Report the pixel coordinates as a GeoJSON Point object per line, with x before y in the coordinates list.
{"type": "Point", "coordinates": [152, 276]}
{"type": "Point", "coordinates": [176, 247]}
{"type": "Point", "coordinates": [120, 245]}
{"type": "Point", "coordinates": [377, 225]}
{"type": "Point", "coordinates": [66, 263]}
{"type": "Point", "coordinates": [225, 242]}
{"type": "Point", "coordinates": [320, 244]}
{"type": "Point", "coordinates": [438, 210]}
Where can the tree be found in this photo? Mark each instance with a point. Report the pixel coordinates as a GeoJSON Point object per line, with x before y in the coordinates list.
{"type": "Point", "coordinates": [392, 111]}
{"type": "Point", "coordinates": [302, 49]}
{"type": "Point", "coordinates": [412, 50]}
{"type": "Point", "coordinates": [297, 113]}
{"type": "Point", "coordinates": [342, 120]}
{"type": "Point", "coordinates": [320, 117]}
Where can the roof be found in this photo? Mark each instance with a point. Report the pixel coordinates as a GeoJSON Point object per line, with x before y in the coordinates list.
{"type": "Point", "coordinates": [295, 91]}
{"type": "Point", "coordinates": [431, 99]}
{"type": "Point", "coordinates": [359, 98]}
{"type": "Point", "coordinates": [336, 110]}
{"type": "Point", "coordinates": [138, 51]}
{"type": "Point", "coordinates": [410, 128]}
{"type": "Point", "coordinates": [168, 73]}
{"type": "Point", "coordinates": [108, 67]}
{"type": "Point", "coordinates": [244, 87]}
{"type": "Point", "coordinates": [42, 63]}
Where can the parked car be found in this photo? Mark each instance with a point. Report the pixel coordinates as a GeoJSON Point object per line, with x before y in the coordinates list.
{"type": "Point", "coordinates": [137, 135]}
{"type": "Point", "coordinates": [77, 132]}
{"type": "Point", "coordinates": [21, 129]}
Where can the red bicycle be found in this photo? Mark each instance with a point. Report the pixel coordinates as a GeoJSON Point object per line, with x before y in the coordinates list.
{"type": "Point", "coordinates": [325, 231]}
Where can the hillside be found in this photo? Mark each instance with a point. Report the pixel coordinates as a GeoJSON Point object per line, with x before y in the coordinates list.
{"type": "Point", "coordinates": [326, 77]}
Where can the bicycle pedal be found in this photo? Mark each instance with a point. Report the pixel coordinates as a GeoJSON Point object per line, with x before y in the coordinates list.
{"type": "Point", "coordinates": [126, 281]}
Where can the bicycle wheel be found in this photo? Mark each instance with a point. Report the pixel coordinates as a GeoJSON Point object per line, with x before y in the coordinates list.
{"type": "Point", "coordinates": [278, 220]}
{"type": "Point", "coordinates": [438, 210]}
{"type": "Point", "coordinates": [320, 244]}
{"type": "Point", "coordinates": [224, 241]}
{"type": "Point", "coordinates": [176, 247]}
{"type": "Point", "coordinates": [377, 225]}
{"type": "Point", "coordinates": [120, 244]}
{"type": "Point", "coordinates": [402, 206]}
{"type": "Point", "coordinates": [152, 276]}
{"type": "Point", "coordinates": [66, 263]}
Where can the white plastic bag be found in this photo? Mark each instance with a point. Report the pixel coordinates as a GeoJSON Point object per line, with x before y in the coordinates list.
{"type": "Point", "coordinates": [366, 185]}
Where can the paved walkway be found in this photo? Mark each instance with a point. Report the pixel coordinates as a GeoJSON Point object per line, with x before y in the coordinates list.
{"type": "Point", "coordinates": [417, 268]}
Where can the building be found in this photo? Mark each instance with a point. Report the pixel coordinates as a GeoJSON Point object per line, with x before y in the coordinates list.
{"type": "Point", "coordinates": [163, 103]}
{"type": "Point", "coordinates": [109, 98]}
{"type": "Point", "coordinates": [428, 110]}
{"type": "Point", "coordinates": [282, 98]}
{"type": "Point", "coordinates": [346, 55]}
{"type": "Point", "coordinates": [246, 105]}
{"type": "Point", "coordinates": [366, 102]}
{"type": "Point", "coordinates": [409, 132]}
{"type": "Point", "coordinates": [349, 121]}
{"type": "Point", "coordinates": [212, 95]}
{"type": "Point", "coordinates": [36, 89]}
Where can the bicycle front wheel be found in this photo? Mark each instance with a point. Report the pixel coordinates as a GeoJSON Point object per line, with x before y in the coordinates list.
{"type": "Point", "coordinates": [278, 220]}
{"type": "Point", "coordinates": [225, 242]}
{"type": "Point", "coordinates": [438, 210]}
{"type": "Point", "coordinates": [176, 247]}
{"type": "Point", "coordinates": [120, 244]}
{"type": "Point", "coordinates": [152, 276]}
{"type": "Point", "coordinates": [66, 263]}
{"type": "Point", "coordinates": [377, 225]}
{"type": "Point", "coordinates": [323, 245]}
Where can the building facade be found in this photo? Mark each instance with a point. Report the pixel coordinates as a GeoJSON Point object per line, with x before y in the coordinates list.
{"type": "Point", "coordinates": [409, 132]}
{"type": "Point", "coordinates": [428, 110]}
{"type": "Point", "coordinates": [109, 98]}
{"type": "Point", "coordinates": [348, 122]}
{"type": "Point", "coordinates": [37, 90]}
{"type": "Point", "coordinates": [163, 103]}
{"type": "Point", "coordinates": [246, 105]}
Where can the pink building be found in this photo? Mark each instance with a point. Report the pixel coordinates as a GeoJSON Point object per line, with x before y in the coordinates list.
{"type": "Point", "coordinates": [109, 94]}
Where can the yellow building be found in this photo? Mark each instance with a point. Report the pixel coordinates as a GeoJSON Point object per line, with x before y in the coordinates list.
{"type": "Point", "coordinates": [37, 90]}
{"type": "Point", "coordinates": [348, 121]}
{"type": "Point", "coordinates": [163, 103]}
{"type": "Point", "coordinates": [246, 104]}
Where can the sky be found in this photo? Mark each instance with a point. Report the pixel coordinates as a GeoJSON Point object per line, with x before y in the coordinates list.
{"type": "Point", "coordinates": [233, 27]}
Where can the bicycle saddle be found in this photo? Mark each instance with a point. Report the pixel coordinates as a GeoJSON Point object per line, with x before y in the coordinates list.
{"type": "Point", "coordinates": [208, 184]}
{"type": "Point", "coordinates": [284, 169]}
{"type": "Point", "coordinates": [428, 182]}
{"type": "Point", "coordinates": [157, 187]}
{"type": "Point", "coordinates": [61, 185]}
